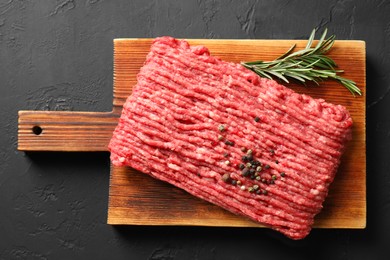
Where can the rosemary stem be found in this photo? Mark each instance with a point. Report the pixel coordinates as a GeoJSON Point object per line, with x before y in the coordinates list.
{"type": "Point", "coordinates": [309, 64]}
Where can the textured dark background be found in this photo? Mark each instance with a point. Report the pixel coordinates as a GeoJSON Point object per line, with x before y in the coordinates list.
{"type": "Point", "coordinates": [57, 55]}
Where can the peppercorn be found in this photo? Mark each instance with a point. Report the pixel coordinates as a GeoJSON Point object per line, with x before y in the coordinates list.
{"type": "Point", "coordinates": [242, 187]}
{"type": "Point", "coordinates": [272, 151]}
{"type": "Point", "coordinates": [244, 158]}
{"type": "Point", "coordinates": [263, 180]}
{"type": "Point", "coordinates": [238, 182]}
{"type": "Point", "coordinates": [267, 166]}
{"type": "Point", "coordinates": [248, 165]}
{"type": "Point", "coordinates": [250, 157]}
{"type": "Point", "coordinates": [254, 162]}
{"type": "Point", "coordinates": [241, 166]}
{"type": "Point", "coordinates": [245, 172]}
{"type": "Point", "coordinates": [226, 177]}
{"type": "Point", "coordinates": [258, 191]}
{"type": "Point", "coordinates": [253, 177]}
{"type": "Point", "coordinates": [249, 152]}
{"type": "Point", "coordinates": [255, 187]}
{"type": "Point", "coordinates": [274, 177]}
{"type": "Point", "coordinates": [227, 142]}
{"type": "Point", "coordinates": [258, 178]}
{"type": "Point", "coordinates": [265, 192]}
{"type": "Point", "coordinates": [250, 189]}
{"type": "Point", "coordinates": [221, 128]}
{"type": "Point", "coordinates": [277, 162]}
{"type": "Point", "coordinates": [220, 137]}
{"type": "Point", "coordinates": [234, 182]}
{"type": "Point", "coordinates": [257, 119]}
{"type": "Point", "coordinates": [259, 168]}
{"type": "Point", "coordinates": [225, 154]}
{"type": "Point", "coordinates": [243, 149]}
{"type": "Point", "coordinates": [227, 162]}
{"type": "Point", "coordinates": [283, 174]}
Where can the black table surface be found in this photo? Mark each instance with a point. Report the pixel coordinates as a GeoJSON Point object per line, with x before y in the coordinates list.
{"type": "Point", "coordinates": [57, 55]}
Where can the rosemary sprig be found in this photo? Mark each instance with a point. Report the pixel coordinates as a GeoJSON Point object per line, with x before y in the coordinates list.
{"type": "Point", "coordinates": [309, 64]}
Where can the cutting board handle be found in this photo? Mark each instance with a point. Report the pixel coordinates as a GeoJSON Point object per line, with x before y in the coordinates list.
{"type": "Point", "coordinates": [65, 131]}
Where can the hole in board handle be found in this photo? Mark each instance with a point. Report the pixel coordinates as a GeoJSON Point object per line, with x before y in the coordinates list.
{"type": "Point", "coordinates": [37, 130]}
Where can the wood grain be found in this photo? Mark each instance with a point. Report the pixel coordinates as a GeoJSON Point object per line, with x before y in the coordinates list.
{"type": "Point", "coordinates": [65, 131]}
{"type": "Point", "coordinates": [137, 199]}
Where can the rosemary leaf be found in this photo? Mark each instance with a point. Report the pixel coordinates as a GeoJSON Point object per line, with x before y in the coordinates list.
{"type": "Point", "coordinates": [294, 76]}
{"type": "Point", "coordinates": [286, 53]}
{"type": "Point", "coordinates": [311, 38]}
{"type": "Point", "coordinates": [308, 64]}
{"type": "Point", "coordinates": [279, 75]}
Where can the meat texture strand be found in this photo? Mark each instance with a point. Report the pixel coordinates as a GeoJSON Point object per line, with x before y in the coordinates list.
{"type": "Point", "coordinates": [223, 134]}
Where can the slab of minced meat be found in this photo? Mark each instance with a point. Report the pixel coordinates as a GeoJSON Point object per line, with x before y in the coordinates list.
{"type": "Point", "coordinates": [223, 134]}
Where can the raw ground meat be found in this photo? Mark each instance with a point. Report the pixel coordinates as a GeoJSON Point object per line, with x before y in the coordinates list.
{"type": "Point", "coordinates": [223, 134]}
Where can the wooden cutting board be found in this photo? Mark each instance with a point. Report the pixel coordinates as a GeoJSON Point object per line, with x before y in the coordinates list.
{"type": "Point", "coordinates": [137, 199]}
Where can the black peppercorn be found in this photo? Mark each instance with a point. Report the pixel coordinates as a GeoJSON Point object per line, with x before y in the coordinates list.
{"type": "Point", "coordinates": [254, 162]}
{"type": "Point", "coordinates": [231, 143]}
{"type": "Point", "coordinates": [245, 172]}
